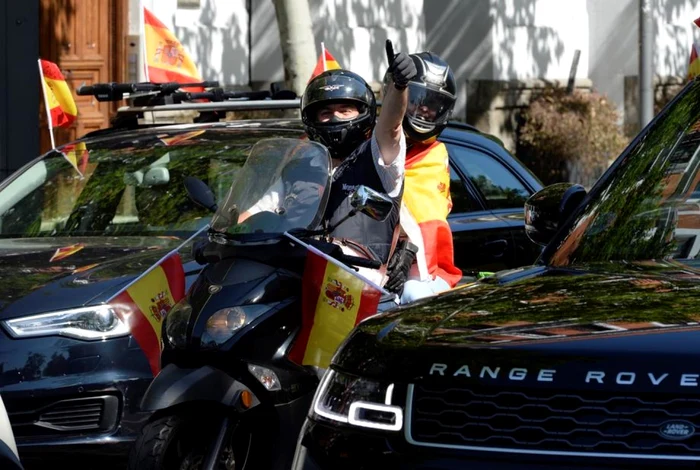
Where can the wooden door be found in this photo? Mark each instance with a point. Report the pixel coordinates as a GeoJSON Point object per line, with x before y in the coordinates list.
{"type": "Point", "coordinates": [86, 39]}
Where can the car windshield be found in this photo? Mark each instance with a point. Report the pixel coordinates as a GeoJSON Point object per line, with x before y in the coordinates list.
{"type": "Point", "coordinates": [648, 206]}
{"type": "Point", "coordinates": [282, 186]}
{"type": "Point", "coordinates": [130, 187]}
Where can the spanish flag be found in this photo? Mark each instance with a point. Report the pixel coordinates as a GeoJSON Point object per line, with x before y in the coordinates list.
{"type": "Point", "coordinates": [143, 304]}
{"type": "Point", "coordinates": [77, 154]}
{"type": "Point", "coordinates": [694, 63]}
{"type": "Point", "coordinates": [60, 104]}
{"type": "Point", "coordinates": [166, 59]}
{"type": "Point", "coordinates": [333, 301]}
{"type": "Point", "coordinates": [325, 62]}
{"type": "Point", "coordinates": [425, 206]}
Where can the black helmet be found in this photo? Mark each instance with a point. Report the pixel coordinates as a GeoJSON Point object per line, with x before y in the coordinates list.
{"type": "Point", "coordinates": [431, 97]}
{"type": "Point", "coordinates": [337, 86]}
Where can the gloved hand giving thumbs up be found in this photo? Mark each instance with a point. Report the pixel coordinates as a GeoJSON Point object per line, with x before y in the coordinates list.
{"type": "Point", "coordinates": [401, 66]}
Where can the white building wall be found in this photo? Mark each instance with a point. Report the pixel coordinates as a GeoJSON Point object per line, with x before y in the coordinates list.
{"type": "Point", "coordinates": [481, 39]}
{"type": "Point", "coordinates": [215, 35]}
{"type": "Point", "coordinates": [353, 31]}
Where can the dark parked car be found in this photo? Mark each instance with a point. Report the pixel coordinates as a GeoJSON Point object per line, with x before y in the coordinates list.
{"type": "Point", "coordinates": [587, 359]}
{"type": "Point", "coordinates": [72, 375]}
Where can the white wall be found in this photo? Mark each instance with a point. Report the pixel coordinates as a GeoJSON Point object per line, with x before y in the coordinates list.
{"type": "Point", "coordinates": [480, 39]}
{"type": "Point", "coordinates": [353, 31]}
{"type": "Point", "coordinates": [215, 35]}
{"type": "Point", "coordinates": [614, 41]}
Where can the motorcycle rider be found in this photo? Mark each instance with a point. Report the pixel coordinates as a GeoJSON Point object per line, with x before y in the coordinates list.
{"type": "Point", "coordinates": [423, 263]}
{"type": "Point", "coordinates": [338, 109]}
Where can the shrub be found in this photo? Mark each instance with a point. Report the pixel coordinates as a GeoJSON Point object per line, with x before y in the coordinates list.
{"type": "Point", "coordinates": [569, 137]}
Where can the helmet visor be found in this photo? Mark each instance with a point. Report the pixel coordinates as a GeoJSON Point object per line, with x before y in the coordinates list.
{"type": "Point", "coordinates": [427, 108]}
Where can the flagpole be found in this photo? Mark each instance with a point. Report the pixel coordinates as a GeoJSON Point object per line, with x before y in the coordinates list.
{"type": "Point", "coordinates": [157, 263]}
{"type": "Point", "coordinates": [142, 29]}
{"type": "Point", "coordinates": [323, 54]}
{"type": "Point", "coordinates": [46, 102]}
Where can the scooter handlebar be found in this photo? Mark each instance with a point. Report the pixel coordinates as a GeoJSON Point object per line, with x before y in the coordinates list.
{"type": "Point", "coordinates": [359, 262]}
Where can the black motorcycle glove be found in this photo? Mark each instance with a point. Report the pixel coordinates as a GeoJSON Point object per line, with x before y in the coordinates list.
{"type": "Point", "coordinates": [400, 266]}
{"type": "Point", "coordinates": [402, 70]}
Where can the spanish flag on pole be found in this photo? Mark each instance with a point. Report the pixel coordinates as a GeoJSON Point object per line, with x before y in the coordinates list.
{"type": "Point", "coordinates": [77, 154]}
{"type": "Point", "coordinates": [334, 299]}
{"type": "Point", "coordinates": [61, 108]}
{"type": "Point", "coordinates": [425, 205]}
{"type": "Point", "coordinates": [325, 62]}
{"type": "Point", "coordinates": [166, 59]}
{"type": "Point", "coordinates": [694, 63]}
{"type": "Point", "coordinates": [144, 302]}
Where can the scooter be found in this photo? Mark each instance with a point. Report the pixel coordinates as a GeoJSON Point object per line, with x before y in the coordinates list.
{"type": "Point", "coordinates": [228, 395]}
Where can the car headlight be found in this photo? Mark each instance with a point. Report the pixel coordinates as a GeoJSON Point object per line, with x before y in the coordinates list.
{"type": "Point", "coordinates": [88, 323]}
{"type": "Point", "coordinates": [175, 323]}
{"type": "Point", "coordinates": [225, 323]}
{"type": "Point", "coordinates": [358, 402]}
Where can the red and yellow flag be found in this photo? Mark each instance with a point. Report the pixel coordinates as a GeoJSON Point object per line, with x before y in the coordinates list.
{"type": "Point", "coordinates": [333, 301]}
{"type": "Point", "coordinates": [77, 154]}
{"type": "Point", "coordinates": [143, 304]}
{"type": "Point", "coordinates": [694, 62]}
{"type": "Point", "coordinates": [427, 197]}
{"type": "Point", "coordinates": [59, 99]}
{"type": "Point", "coordinates": [325, 62]}
{"type": "Point", "coordinates": [166, 58]}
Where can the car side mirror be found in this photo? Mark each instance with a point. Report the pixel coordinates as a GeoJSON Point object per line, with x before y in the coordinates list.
{"type": "Point", "coordinates": [200, 193]}
{"type": "Point", "coordinates": [548, 208]}
{"type": "Point", "coordinates": [372, 203]}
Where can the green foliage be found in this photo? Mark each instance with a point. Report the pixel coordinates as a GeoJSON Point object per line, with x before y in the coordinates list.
{"type": "Point", "coordinates": [570, 137]}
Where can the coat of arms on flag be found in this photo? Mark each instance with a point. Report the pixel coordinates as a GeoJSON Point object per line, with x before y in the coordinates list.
{"type": "Point", "coordinates": [334, 300]}
{"type": "Point", "coordinates": [144, 303]}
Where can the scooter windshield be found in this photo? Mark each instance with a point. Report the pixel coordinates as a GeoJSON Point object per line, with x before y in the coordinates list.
{"type": "Point", "coordinates": [283, 185]}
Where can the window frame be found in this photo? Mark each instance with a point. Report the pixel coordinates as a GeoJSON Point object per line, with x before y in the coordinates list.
{"type": "Point", "coordinates": [476, 192]}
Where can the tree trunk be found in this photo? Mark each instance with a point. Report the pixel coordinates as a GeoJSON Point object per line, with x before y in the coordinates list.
{"type": "Point", "coordinates": [297, 40]}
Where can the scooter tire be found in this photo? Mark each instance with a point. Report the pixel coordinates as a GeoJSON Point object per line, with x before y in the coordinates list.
{"type": "Point", "coordinates": [149, 450]}
{"type": "Point", "coordinates": [159, 445]}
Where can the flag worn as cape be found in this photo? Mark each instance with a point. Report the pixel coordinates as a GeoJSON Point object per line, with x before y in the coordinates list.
{"type": "Point", "coordinates": [333, 302]}
{"type": "Point", "coordinates": [60, 102]}
{"type": "Point", "coordinates": [424, 209]}
{"type": "Point", "coordinates": [143, 304]}
{"type": "Point", "coordinates": [166, 58]}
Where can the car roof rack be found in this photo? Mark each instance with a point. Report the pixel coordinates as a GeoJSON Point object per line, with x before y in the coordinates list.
{"type": "Point", "coordinates": [208, 98]}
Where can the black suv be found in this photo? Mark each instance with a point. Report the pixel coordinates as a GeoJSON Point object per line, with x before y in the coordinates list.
{"type": "Point", "coordinates": [587, 359]}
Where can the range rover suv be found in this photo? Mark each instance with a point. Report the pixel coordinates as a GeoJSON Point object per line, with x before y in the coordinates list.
{"type": "Point", "coordinates": [590, 358]}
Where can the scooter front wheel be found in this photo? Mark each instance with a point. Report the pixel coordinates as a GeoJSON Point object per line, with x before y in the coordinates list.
{"type": "Point", "coordinates": [181, 442]}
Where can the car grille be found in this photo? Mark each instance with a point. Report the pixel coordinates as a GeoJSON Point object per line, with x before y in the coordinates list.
{"type": "Point", "coordinates": [68, 416]}
{"type": "Point", "coordinates": [550, 421]}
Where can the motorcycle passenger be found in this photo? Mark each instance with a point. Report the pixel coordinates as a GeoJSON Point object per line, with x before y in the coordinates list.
{"type": "Point", "coordinates": [423, 263]}
{"type": "Point", "coordinates": [338, 109]}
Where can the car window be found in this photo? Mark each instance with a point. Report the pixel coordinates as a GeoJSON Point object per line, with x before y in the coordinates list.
{"type": "Point", "coordinates": [499, 186]}
{"type": "Point", "coordinates": [462, 201]}
{"type": "Point", "coordinates": [134, 191]}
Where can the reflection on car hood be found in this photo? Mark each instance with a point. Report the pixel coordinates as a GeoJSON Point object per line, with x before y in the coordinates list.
{"type": "Point", "coordinates": [48, 274]}
{"type": "Point", "coordinates": [609, 310]}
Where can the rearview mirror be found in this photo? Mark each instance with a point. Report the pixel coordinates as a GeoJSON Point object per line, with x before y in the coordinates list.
{"type": "Point", "coordinates": [200, 193]}
{"type": "Point", "coordinates": [548, 208]}
{"type": "Point", "coordinates": [372, 203]}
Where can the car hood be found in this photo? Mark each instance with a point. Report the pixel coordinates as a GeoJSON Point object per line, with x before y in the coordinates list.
{"type": "Point", "coordinates": [537, 318]}
{"type": "Point", "coordinates": [47, 274]}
